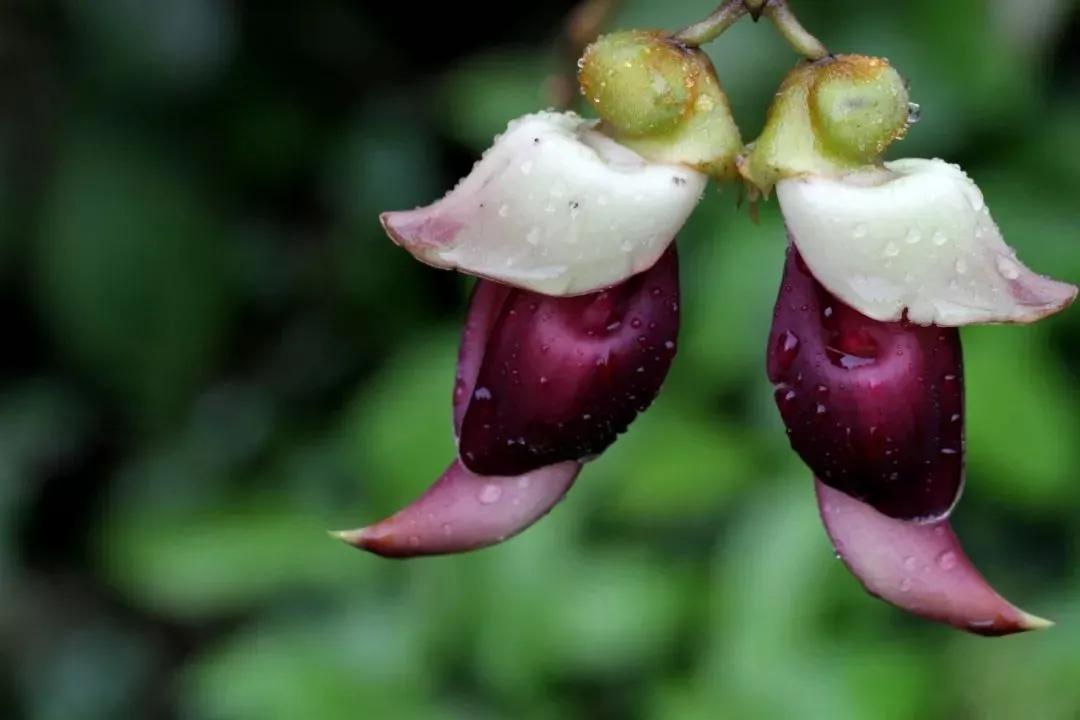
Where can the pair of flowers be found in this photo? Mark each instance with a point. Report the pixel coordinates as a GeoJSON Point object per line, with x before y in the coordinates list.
{"type": "Point", "coordinates": [573, 324]}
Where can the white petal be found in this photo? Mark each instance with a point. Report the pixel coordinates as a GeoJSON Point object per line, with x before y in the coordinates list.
{"type": "Point", "coordinates": [915, 236]}
{"type": "Point", "coordinates": [554, 207]}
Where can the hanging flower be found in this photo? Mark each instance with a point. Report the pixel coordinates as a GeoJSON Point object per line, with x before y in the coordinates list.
{"type": "Point", "coordinates": [885, 261]}
{"type": "Point", "coordinates": [573, 325]}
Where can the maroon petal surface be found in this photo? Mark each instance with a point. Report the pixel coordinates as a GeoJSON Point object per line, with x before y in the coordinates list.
{"type": "Point", "coordinates": [920, 568]}
{"type": "Point", "coordinates": [464, 511]}
{"type": "Point", "coordinates": [560, 378]}
{"type": "Point", "coordinates": [875, 409]}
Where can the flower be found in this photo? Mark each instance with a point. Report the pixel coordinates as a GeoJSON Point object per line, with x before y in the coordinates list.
{"type": "Point", "coordinates": [885, 261]}
{"type": "Point", "coordinates": [573, 326]}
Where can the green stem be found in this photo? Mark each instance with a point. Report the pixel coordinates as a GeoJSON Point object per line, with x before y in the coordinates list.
{"type": "Point", "coordinates": [708, 29]}
{"type": "Point", "coordinates": [793, 32]}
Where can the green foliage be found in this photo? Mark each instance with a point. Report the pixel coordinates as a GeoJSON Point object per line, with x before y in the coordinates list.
{"type": "Point", "coordinates": [215, 355]}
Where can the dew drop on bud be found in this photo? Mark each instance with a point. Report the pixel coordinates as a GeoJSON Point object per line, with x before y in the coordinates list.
{"type": "Point", "coordinates": [914, 113]}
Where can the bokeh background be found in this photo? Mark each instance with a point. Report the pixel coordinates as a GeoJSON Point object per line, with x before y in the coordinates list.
{"type": "Point", "coordinates": [211, 354]}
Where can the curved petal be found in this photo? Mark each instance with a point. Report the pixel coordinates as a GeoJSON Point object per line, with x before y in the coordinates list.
{"type": "Point", "coordinates": [554, 207]}
{"type": "Point", "coordinates": [561, 378]}
{"type": "Point", "coordinates": [918, 568]}
{"type": "Point", "coordinates": [916, 237]}
{"type": "Point", "coordinates": [485, 306]}
{"type": "Point", "coordinates": [874, 409]}
{"type": "Point", "coordinates": [464, 511]}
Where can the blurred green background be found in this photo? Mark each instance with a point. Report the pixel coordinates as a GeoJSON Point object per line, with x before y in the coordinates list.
{"type": "Point", "coordinates": [212, 354]}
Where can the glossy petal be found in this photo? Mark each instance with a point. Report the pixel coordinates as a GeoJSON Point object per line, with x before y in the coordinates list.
{"type": "Point", "coordinates": [874, 409]}
{"type": "Point", "coordinates": [463, 511]}
{"type": "Point", "coordinates": [919, 568]}
{"type": "Point", "coordinates": [554, 207]}
{"type": "Point", "coordinates": [562, 377]}
{"type": "Point", "coordinates": [918, 238]}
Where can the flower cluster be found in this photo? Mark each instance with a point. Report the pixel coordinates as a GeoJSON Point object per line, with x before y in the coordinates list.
{"type": "Point", "coordinates": [573, 324]}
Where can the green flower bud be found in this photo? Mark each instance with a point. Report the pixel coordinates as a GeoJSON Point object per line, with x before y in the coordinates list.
{"type": "Point", "coordinates": [858, 107]}
{"type": "Point", "coordinates": [661, 99]}
{"type": "Point", "coordinates": [829, 117]}
{"type": "Point", "coordinates": [639, 82]}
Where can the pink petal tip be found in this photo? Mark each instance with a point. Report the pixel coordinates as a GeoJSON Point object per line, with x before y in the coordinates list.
{"type": "Point", "coordinates": [463, 511]}
{"type": "Point", "coordinates": [920, 568]}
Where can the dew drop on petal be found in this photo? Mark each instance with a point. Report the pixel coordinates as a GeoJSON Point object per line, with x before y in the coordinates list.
{"type": "Point", "coordinates": [489, 494]}
{"type": "Point", "coordinates": [1008, 268]}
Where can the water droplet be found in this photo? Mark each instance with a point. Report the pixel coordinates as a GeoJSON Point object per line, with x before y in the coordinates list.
{"type": "Point", "coordinates": [787, 348]}
{"type": "Point", "coordinates": [669, 345]}
{"type": "Point", "coordinates": [821, 409]}
{"type": "Point", "coordinates": [914, 113]}
{"type": "Point", "coordinates": [939, 237]}
{"type": "Point", "coordinates": [526, 167]}
{"type": "Point", "coordinates": [859, 230]}
{"type": "Point", "coordinates": [533, 236]}
{"type": "Point", "coordinates": [961, 266]}
{"type": "Point", "coordinates": [947, 560]}
{"type": "Point", "coordinates": [447, 529]}
{"type": "Point", "coordinates": [910, 563]}
{"type": "Point", "coordinates": [482, 393]}
{"type": "Point", "coordinates": [504, 210]}
{"type": "Point", "coordinates": [905, 585]}
{"type": "Point", "coordinates": [913, 236]}
{"type": "Point", "coordinates": [1008, 269]}
{"type": "Point", "coordinates": [891, 250]}
{"type": "Point", "coordinates": [489, 494]}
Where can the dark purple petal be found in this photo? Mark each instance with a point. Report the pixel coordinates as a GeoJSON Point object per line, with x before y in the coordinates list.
{"type": "Point", "coordinates": [562, 377]}
{"type": "Point", "coordinates": [875, 409]}
{"type": "Point", "coordinates": [463, 511]}
{"type": "Point", "coordinates": [920, 568]}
